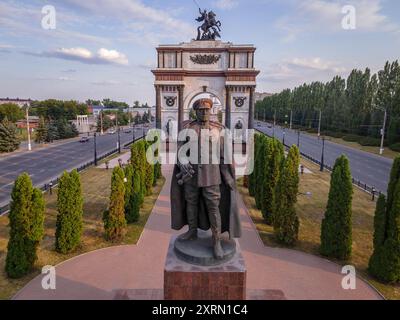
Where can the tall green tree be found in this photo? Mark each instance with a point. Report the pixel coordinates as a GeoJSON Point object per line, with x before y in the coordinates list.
{"type": "Point", "coordinates": [114, 218]}
{"type": "Point", "coordinates": [336, 229]}
{"type": "Point", "coordinates": [41, 131]}
{"type": "Point", "coordinates": [70, 212]}
{"type": "Point", "coordinates": [11, 111]}
{"type": "Point", "coordinates": [384, 263]}
{"type": "Point", "coordinates": [138, 161]}
{"type": "Point", "coordinates": [8, 136]}
{"type": "Point", "coordinates": [264, 154]}
{"type": "Point", "coordinates": [272, 169]}
{"type": "Point", "coordinates": [26, 227]}
{"type": "Point", "coordinates": [285, 220]}
{"type": "Point", "coordinates": [253, 175]}
{"type": "Point", "coordinates": [149, 173]}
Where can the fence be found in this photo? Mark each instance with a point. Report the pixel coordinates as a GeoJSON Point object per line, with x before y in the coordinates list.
{"type": "Point", "coordinates": [363, 186]}
{"type": "Point", "coordinates": [53, 182]}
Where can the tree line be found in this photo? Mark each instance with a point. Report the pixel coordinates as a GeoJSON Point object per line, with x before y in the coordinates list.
{"type": "Point", "coordinates": [274, 185]}
{"type": "Point", "coordinates": [129, 187]}
{"type": "Point", "coordinates": [352, 107]}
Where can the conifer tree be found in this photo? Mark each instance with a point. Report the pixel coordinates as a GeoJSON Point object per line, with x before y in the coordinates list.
{"type": "Point", "coordinates": [70, 212]}
{"type": "Point", "coordinates": [26, 227]}
{"type": "Point", "coordinates": [41, 131]}
{"type": "Point", "coordinates": [149, 173]}
{"type": "Point", "coordinates": [253, 175]}
{"type": "Point", "coordinates": [9, 141]}
{"type": "Point", "coordinates": [271, 177]}
{"type": "Point", "coordinates": [138, 161]}
{"type": "Point", "coordinates": [285, 220]}
{"type": "Point", "coordinates": [264, 153]}
{"type": "Point", "coordinates": [384, 263]}
{"type": "Point", "coordinates": [336, 229]}
{"type": "Point", "coordinates": [114, 218]}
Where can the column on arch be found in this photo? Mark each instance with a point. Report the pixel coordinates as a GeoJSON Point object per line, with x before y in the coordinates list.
{"type": "Point", "coordinates": [158, 106]}
{"type": "Point", "coordinates": [180, 107]}
{"type": "Point", "coordinates": [228, 107]}
{"type": "Point", "coordinates": [251, 108]}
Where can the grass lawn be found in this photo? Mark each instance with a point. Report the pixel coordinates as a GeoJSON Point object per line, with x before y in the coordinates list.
{"type": "Point", "coordinates": [96, 190]}
{"type": "Point", "coordinates": [311, 209]}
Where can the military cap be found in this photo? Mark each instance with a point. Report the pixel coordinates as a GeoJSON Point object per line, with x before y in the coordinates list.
{"type": "Point", "coordinates": [203, 104]}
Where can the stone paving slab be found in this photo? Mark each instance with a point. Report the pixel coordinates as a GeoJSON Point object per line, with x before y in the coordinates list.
{"type": "Point", "coordinates": [136, 271]}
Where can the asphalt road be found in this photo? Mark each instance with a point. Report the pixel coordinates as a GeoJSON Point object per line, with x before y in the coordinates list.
{"type": "Point", "coordinates": [374, 170]}
{"type": "Point", "coordinates": [46, 164]}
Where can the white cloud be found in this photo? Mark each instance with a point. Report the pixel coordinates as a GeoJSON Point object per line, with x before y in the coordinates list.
{"type": "Point", "coordinates": [103, 56]}
{"type": "Point", "coordinates": [226, 4]}
{"type": "Point", "coordinates": [112, 56]}
{"type": "Point", "coordinates": [326, 16]}
{"type": "Point", "coordinates": [295, 71]}
{"type": "Point", "coordinates": [135, 10]}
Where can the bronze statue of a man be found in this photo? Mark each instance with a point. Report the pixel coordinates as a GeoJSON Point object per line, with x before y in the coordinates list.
{"type": "Point", "coordinates": [203, 196]}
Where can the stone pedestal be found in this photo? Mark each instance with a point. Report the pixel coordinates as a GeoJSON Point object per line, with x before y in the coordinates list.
{"type": "Point", "coordinates": [184, 281]}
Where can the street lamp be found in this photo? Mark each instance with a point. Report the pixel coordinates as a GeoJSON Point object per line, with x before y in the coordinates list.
{"type": "Point", "coordinates": [119, 141]}
{"type": "Point", "coordinates": [383, 132]}
{"type": "Point", "coordinates": [322, 155]}
{"type": "Point", "coordinates": [283, 138]}
{"type": "Point", "coordinates": [95, 149]}
{"type": "Point", "coordinates": [27, 127]}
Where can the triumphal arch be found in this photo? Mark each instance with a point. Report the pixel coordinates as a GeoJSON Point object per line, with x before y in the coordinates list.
{"type": "Point", "coordinates": [222, 70]}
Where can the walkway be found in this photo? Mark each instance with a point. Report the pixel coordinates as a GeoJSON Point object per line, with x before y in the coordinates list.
{"type": "Point", "coordinates": [136, 271]}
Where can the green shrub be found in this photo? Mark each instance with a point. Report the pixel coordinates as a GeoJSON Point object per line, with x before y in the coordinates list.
{"type": "Point", "coordinates": [336, 228]}
{"type": "Point", "coordinates": [351, 138]}
{"type": "Point", "coordinates": [114, 218]}
{"type": "Point", "coordinates": [370, 142]}
{"type": "Point", "coordinates": [384, 263]}
{"type": "Point", "coordinates": [395, 147]}
{"type": "Point", "coordinates": [70, 212]}
{"type": "Point", "coordinates": [285, 220]}
{"type": "Point", "coordinates": [26, 227]}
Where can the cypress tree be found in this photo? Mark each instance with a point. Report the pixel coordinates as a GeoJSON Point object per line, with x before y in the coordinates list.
{"type": "Point", "coordinates": [149, 173]}
{"type": "Point", "coordinates": [138, 161]}
{"type": "Point", "coordinates": [264, 153]}
{"type": "Point", "coordinates": [271, 177]}
{"type": "Point", "coordinates": [253, 175]}
{"type": "Point", "coordinates": [114, 218]}
{"type": "Point", "coordinates": [70, 211]}
{"type": "Point", "coordinates": [9, 141]}
{"type": "Point", "coordinates": [380, 222]}
{"type": "Point", "coordinates": [384, 263]}
{"type": "Point", "coordinates": [26, 227]}
{"type": "Point", "coordinates": [129, 195]}
{"type": "Point", "coordinates": [285, 220]}
{"type": "Point", "coordinates": [336, 229]}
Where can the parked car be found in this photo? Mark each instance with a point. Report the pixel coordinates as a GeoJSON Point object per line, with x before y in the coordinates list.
{"type": "Point", "coordinates": [84, 139]}
{"type": "Point", "coordinates": [112, 131]}
{"type": "Point", "coordinates": [127, 130]}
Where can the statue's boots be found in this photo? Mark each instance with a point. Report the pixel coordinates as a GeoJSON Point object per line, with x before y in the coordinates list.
{"type": "Point", "coordinates": [218, 251]}
{"type": "Point", "coordinates": [192, 222]}
{"type": "Point", "coordinates": [190, 235]}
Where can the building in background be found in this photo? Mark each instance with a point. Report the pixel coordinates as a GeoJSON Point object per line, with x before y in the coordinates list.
{"type": "Point", "coordinates": [20, 102]}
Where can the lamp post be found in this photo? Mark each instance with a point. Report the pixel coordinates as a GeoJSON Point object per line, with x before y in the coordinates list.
{"type": "Point", "coordinates": [322, 155]}
{"type": "Point", "coordinates": [95, 149]}
{"type": "Point", "coordinates": [28, 129]}
{"type": "Point", "coordinates": [319, 123]}
{"type": "Point", "coordinates": [383, 133]}
{"type": "Point", "coordinates": [283, 138]}
{"type": "Point", "coordinates": [119, 141]}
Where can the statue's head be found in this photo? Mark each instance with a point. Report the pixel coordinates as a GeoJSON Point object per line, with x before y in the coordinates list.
{"type": "Point", "coordinates": [202, 108]}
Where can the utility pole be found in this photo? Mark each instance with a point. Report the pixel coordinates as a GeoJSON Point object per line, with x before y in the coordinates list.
{"type": "Point", "coordinates": [383, 132]}
{"type": "Point", "coordinates": [265, 115]}
{"type": "Point", "coordinates": [291, 117]}
{"type": "Point", "coordinates": [95, 149]}
{"type": "Point", "coordinates": [119, 135]}
{"type": "Point", "coordinates": [322, 155]}
{"type": "Point", "coordinates": [319, 123]}
{"type": "Point", "coordinates": [101, 122]}
{"type": "Point", "coordinates": [27, 128]}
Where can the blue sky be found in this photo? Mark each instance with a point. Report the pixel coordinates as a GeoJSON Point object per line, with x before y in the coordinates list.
{"type": "Point", "coordinates": [106, 48]}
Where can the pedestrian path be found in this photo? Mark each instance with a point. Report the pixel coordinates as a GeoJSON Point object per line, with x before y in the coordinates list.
{"type": "Point", "coordinates": [136, 271]}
